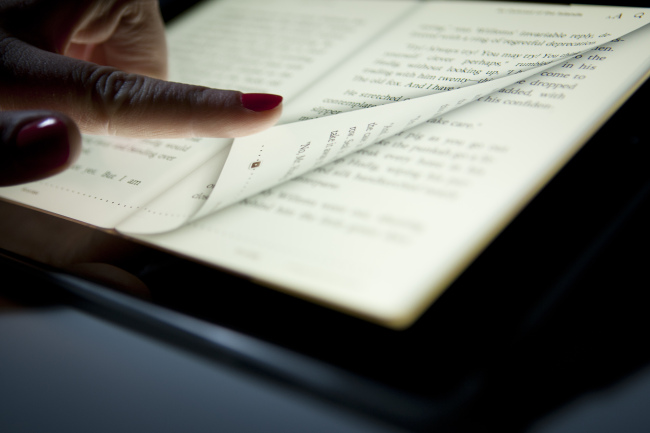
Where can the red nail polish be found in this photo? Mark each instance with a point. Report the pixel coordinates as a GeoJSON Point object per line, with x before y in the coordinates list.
{"type": "Point", "coordinates": [260, 101]}
{"type": "Point", "coordinates": [42, 147]}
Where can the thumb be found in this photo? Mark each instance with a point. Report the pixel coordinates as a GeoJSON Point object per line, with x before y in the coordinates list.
{"type": "Point", "coordinates": [35, 145]}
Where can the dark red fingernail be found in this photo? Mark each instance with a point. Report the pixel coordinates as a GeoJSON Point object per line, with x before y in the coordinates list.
{"type": "Point", "coordinates": [42, 147]}
{"type": "Point", "coordinates": [260, 101]}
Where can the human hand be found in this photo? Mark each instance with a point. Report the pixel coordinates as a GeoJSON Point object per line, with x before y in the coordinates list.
{"type": "Point", "coordinates": [99, 65]}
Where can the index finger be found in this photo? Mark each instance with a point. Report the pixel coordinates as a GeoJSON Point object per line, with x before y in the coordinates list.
{"type": "Point", "coordinates": [105, 100]}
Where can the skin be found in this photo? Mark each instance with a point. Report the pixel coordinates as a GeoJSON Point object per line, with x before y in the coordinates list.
{"type": "Point", "coordinates": [101, 65]}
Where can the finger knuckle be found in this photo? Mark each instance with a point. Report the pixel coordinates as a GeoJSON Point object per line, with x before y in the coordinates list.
{"type": "Point", "coordinates": [113, 93]}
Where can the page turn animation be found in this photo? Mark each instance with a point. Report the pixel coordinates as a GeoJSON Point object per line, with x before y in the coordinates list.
{"type": "Point", "coordinates": [421, 68]}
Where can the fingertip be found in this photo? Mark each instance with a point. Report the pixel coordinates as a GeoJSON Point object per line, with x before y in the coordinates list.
{"type": "Point", "coordinates": [261, 111]}
{"type": "Point", "coordinates": [41, 146]}
{"type": "Point", "coordinates": [260, 102]}
{"type": "Point", "coordinates": [48, 145]}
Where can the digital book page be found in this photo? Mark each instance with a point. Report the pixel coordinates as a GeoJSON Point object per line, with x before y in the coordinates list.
{"type": "Point", "coordinates": [478, 61]}
{"type": "Point", "coordinates": [342, 56]}
{"type": "Point", "coordinates": [412, 134]}
{"type": "Point", "coordinates": [382, 232]}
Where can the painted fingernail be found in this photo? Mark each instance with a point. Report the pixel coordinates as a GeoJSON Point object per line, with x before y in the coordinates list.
{"type": "Point", "coordinates": [260, 101]}
{"type": "Point", "coordinates": [43, 146]}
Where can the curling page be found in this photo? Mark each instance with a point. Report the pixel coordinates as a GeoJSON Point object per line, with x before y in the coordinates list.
{"type": "Point", "coordinates": [436, 59]}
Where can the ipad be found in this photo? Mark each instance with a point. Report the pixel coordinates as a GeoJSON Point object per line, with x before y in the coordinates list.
{"type": "Point", "coordinates": [510, 306]}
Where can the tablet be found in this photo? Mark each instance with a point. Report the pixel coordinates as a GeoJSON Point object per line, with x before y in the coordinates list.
{"type": "Point", "coordinates": [493, 323]}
